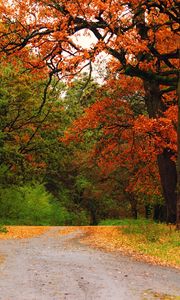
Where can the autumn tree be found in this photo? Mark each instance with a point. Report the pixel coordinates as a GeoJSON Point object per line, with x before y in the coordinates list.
{"type": "Point", "coordinates": [126, 143]}
{"type": "Point", "coordinates": [140, 36]}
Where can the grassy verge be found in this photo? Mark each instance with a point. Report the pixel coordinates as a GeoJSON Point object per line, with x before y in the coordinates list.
{"type": "Point", "coordinates": [155, 243]}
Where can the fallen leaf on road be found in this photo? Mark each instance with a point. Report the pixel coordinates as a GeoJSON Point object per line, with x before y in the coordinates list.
{"type": "Point", "coordinates": [21, 232]}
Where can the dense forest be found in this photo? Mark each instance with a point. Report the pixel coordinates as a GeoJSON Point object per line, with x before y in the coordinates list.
{"type": "Point", "coordinates": [89, 133]}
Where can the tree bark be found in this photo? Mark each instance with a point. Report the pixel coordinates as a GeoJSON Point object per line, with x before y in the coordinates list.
{"type": "Point", "coordinates": [167, 167]}
{"type": "Point", "coordinates": [160, 213]}
{"type": "Point", "coordinates": [178, 163]}
{"type": "Point", "coordinates": [168, 175]}
{"type": "Point", "coordinates": [92, 210]}
{"type": "Point", "coordinates": [133, 203]}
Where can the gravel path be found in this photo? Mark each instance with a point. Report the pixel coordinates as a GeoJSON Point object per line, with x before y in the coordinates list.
{"type": "Point", "coordinates": [55, 267]}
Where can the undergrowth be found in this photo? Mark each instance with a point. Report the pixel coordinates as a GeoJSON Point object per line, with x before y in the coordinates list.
{"type": "Point", "coordinates": [3, 229]}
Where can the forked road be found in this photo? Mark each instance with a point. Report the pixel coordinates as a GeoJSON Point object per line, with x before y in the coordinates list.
{"type": "Point", "coordinates": [55, 267]}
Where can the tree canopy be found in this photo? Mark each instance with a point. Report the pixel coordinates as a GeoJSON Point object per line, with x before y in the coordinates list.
{"type": "Point", "coordinates": [141, 40]}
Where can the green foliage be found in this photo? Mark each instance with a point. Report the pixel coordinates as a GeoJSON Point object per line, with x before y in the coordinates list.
{"type": "Point", "coordinates": [75, 214]}
{"type": "Point", "coordinates": [11, 203]}
{"type": "Point", "coordinates": [122, 222]}
{"type": "Point", "coordinates": [30, 205]}
{"type": "Point", "coordinates": [79, 218]}
{"type": "Point", "coordinates": [111, 222]}
{"type": "Point", "coordinates": [82, 183]}
{"type": "Point", "coordinates": [3, 229]}
{"type": "Point", "coordinates": [79, 95]}
{"type": "Point", "coordinates": [37, 205]}
{"type": "Point", "coordinates": [33, 205]}
{"type": "Point", "coordinates": [20, 98]}
{"type": "Point", "coordinates": [59, 216]}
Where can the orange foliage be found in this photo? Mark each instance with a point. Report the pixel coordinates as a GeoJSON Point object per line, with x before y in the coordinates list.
{"type": "Point", "coordinates": [142, 39]}
{"type": "Point", "coordinates": [126, 141]}
{"type": "Point", "coordinates": [47, 28]}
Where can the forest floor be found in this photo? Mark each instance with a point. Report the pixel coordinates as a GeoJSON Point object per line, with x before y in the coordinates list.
{"type": "Point", "coordinates": [58, 263]}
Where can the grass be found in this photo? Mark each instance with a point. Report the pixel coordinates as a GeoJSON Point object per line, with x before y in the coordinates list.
{"type": "Point", "coordinates": [157, 243]}
{"type": "Point", "coordinates": [121, 222]}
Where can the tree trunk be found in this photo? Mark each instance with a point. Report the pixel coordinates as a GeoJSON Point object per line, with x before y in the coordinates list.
{"type": "Point", "coordinates": [167, 168]}
{"type": "Point", "coordinates": [134, 212]}
{"type": "Point", "coordinates": [178, 163]}
{"type": "Point", "coordinates": [133, 203]}
{"type": "Point", "coordinates": [168, 175]}
{"type": "Point", "coordinates": [160, 213]}
{"type": "Point", "coordinates": [92, 210]}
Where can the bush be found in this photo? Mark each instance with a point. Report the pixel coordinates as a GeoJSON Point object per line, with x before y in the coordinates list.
{"type": "Point", "coordinates": [59, 215]}
{"type": "Point", "coordinates": [78, 219]}
{"type": "Point", "coordinates": [3, 229]}
{"type": "Point", "coordinates": [37, 208]}
{"type": "Point", "coordinates": [31, 205]}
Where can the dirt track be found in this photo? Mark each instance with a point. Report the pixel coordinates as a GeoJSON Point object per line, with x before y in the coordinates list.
{"type": "Point", "coordinates": [55, 267]}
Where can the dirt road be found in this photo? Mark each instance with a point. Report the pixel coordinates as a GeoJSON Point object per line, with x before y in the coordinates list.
{"type": "Point", "coordinates": [55, 267]}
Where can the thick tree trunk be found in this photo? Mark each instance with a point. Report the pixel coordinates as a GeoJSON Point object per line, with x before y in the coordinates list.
{"type": "Point", "coordinates": [167, 168]}
{"type": "Point", "coordinates": [178, 162]}
{"type": "Point", "coordinates": [160, 213]}
{"type": "Point", "coordinates": [168, 175]}
{"type": "Point", "coordinates": [153, 102]}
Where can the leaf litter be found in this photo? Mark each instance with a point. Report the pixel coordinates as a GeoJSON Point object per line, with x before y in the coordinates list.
{"type": "Point", "coordinates": [113, 239]}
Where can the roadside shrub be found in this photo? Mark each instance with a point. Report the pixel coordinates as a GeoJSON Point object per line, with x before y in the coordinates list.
{"type": "Point", "coordinates": [37, 208]}
{"type": "Point", "coordinates": [3, 229]}
{"type": "Point", "coordinates": [31, 205]}
{"type": "Point", "coordinates": [59, 215]}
